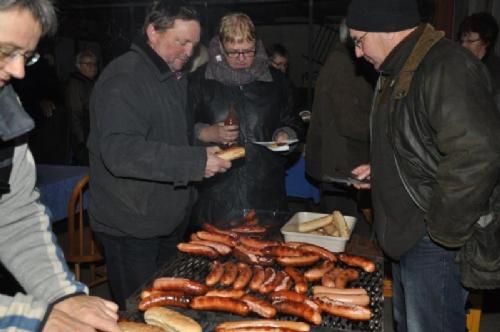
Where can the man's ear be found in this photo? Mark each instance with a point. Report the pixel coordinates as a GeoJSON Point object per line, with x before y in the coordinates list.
{"type": "Point", "coordinates": [151, 33]}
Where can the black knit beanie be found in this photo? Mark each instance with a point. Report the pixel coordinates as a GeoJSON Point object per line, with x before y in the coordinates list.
{"type": "Point", "coordinates": [382, 15]}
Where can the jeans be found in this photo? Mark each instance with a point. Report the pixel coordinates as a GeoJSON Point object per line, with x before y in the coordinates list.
{"type": "Point", "coordinates": [427, 294]}
{"type": "Point", "coordinates": [131, 262]}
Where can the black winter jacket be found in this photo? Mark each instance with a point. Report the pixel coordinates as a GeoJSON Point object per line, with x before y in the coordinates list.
{"type": "Point", "coordinates": [444, 131]}
{"type": "Point", "coordinates": [141, 162]}
{"type": "Point", "coordinates": [258, 180]}
{"type": "Point", "coordinates": [77, 98]}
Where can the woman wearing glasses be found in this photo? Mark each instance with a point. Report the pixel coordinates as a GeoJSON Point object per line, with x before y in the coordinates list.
{"type": "Point", "coordinates": [478, 33]}
{"type": "Point", "coordinates": [238, 76]}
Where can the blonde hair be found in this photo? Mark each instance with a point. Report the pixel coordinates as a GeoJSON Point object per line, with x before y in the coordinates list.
{"type": "Point", "coordinates": [236, 28]}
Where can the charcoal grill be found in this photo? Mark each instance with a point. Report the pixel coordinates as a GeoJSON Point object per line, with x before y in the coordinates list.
{"type": "Point", "coordinates": [196, 268]}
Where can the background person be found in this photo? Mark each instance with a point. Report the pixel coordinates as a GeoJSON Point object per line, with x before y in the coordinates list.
{"type": "Point", "coordinates": [278, 57]}
{"type": "Point", "coordinates": [338, 138]}
{"type": "Point", "coordinates": [479, 33]}
{"type": "Point", "coordinates": [54, 300]}
{"type": "Point", "coordinates": [77, 98]}
{"type": "Point", "coordinates": [238, 76]}
{"type": "Point", "coordinates": [435, 164]}
{"type": "Point", "coordinates": [142, 166]}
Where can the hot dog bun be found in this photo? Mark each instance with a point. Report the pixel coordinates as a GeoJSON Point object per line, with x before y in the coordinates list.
{"type": "Point", "coordinates": [232, 153]}
{"type": "Point", "coordinates": [171, 320]}
{"type": "Point", "coordinates": [138, 327]}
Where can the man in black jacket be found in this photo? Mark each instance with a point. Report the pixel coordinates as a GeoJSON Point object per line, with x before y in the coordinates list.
{"type": "Point", "coordinates": [435, 164]}
{"type": "Point", "coordinates": [142, 166]}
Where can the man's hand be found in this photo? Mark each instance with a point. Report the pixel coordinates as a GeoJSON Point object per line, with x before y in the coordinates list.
{"type": "Point", "coordinates": [220, 134]}
{"type": "Point", "coordinates": [215, 164]}
{"type": "Point", "coordinates": [362, 172]}
{"type": "Point", "coordinates": [281, 137]}
{"type": "Point", "coordinates": [48, 107]}
{"type": "Point", "coordinates": [92, 313]}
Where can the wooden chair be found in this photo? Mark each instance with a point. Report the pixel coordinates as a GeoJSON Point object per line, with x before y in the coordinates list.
{"type": "Point", "coordinates": [80, 247]}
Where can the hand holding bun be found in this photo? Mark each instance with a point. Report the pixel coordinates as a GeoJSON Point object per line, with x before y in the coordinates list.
{"type": "Point", "coordinates": [232, 153]}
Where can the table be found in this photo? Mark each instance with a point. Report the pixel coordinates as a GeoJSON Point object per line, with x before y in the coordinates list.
{"type": "Point", "coordinates": [55, 184]}
{"type": "Point", "coordinates": [297, 184]}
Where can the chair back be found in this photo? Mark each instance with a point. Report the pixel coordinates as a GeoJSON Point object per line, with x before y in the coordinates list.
{"type": "Point", "coordinates": [81, 247]}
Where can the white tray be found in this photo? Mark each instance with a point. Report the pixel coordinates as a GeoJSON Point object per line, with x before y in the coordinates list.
{"type": "Point", "coordinates": [332, 243]}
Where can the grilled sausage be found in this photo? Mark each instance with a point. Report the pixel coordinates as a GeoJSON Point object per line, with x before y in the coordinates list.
{"type": "Point", "coordinates": [277, 251]}
{"type": "Point", "coordinates": [162, 299]}
{"type": "Point", "coordinates": [345, 277]}
{"type": "Point", "coordinates": [358, 261]}
{"type": "Point", "coordinates": [317, 250]}
{"type": "Point", "coordinates": [219, 247]}
{"type": "Point", "coordinates": [216, 237]}
{"type": "Point", "coordinates": [298, 279]}
{"type": "Point", "coordinates": [197, 249]}
{"type": "Point", "coordinates": [215, 274]}
{"type": "Point", "coordinates": [259, 306]}
{"type": "Point", "coordinates": [255, 243]}
{"type": "Point", "coordinates": [257, 278]}
{"type": "Point", "coordinates": [317, 272]}
{"type": "Point", "coordinates": [244, 276]}
{"type": "Point", "coordinates": [353, 312]}
{"type": "Point", "coordinates": [304, 260]}
{"type": "Point", "coordinates": [296, 326]}
{"type": "Point", "coordinates": [231, 293]}
{"type": "Point", "coordinates": [229, 275]}
{"type": "Point", "coordinates": [180, 284]}
{"type": "Point", "coordinates": [287, 296]}
{"type": "Point", "coordinates": [214, 229]}
{"type": "Point", "coordinates": [225, 304]}
{"type": "Point", "coordinates": [298, 309]}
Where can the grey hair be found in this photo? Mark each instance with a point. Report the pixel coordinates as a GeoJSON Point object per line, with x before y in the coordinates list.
{"type": "Point", "coordinates": [343, 32]}
{"type": "Point", "coordinates": [163, 14]}
{"type": "Point", "coordinates": [42, 10]}
{"type": "Point", "coordinates": [84, 54]}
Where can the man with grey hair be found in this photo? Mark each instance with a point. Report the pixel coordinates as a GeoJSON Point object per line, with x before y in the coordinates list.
{"type": "Point", "coordinates": [77, 98]}
{"type": "Point", "coordinates": [143, 166]}
{"type": "Point", "coordinates": [54, 300]}
{"type": "Point", "coordinates": [435, 164]}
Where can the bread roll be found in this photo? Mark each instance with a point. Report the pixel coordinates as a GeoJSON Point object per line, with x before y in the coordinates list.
{"type": "Point", "coordinates": [232, 153]}
{"type": "Point", "coordinates": [339, 221]}
{"type": "Point", "coordinates": [171, 320]}
{"type": "Point", "coordinates": [314, 224]}
{"type": "Point", "coordinates": [138, 327]}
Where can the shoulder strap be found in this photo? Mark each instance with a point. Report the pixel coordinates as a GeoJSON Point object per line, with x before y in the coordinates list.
{"type": "Point", "coordinates": [428, 39]}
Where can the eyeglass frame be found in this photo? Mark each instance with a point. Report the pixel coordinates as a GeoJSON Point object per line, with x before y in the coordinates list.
{"type": "Point", "coordinates": [30, 57]}
{"type": "Point", "coordinates": [469, 41]}
{"type": "Point", "coordinates": [236, 54]}
{"type": "Point", "coordinates": [358, 42]}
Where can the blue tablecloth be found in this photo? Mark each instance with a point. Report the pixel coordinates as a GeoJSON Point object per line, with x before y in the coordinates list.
{"type": "Point", "coordinates": [55, 183]}
{"type": "Point", "coordinates": [297, 185]}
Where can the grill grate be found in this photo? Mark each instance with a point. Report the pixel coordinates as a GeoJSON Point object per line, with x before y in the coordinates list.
{"type": "Point", "coordinates": [197, 267]}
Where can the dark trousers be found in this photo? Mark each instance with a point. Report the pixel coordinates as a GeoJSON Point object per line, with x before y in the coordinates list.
{"type": "Point", "coordinates": [131, 262]}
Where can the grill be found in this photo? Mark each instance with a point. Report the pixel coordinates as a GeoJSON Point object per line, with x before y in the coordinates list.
{"type": "Point", "coordinates": [196, 268]}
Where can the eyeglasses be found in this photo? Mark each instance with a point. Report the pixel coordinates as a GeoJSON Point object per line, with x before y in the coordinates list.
{"type": "Point", "coordinates": [358, 42]}
{"type": "Point", "coordinates": [9, 53]}
{"type": "Point", "coordinates": [89, 63]}
{"type": "Point", "coordinates": [245, 53]}
{"type": "Point", "coordinates": [469, 41]}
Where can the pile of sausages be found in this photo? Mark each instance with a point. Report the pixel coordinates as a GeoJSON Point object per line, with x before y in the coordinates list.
{"type": "Point", "coordinates": [267, 278]}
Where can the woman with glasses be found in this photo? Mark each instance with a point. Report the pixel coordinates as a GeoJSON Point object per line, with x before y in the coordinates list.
{"type": "Point", "coordinates": [238, 77]}
{"type": "Point", "coordinates": [478, 33]}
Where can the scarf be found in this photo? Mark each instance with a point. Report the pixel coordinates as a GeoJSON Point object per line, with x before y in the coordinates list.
{"type": "Point", "coordinates": [218, 69]}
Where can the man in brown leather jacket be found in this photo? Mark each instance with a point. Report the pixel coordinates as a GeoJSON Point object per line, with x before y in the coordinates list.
{"type": "Point", "coordinates": [435, 164]}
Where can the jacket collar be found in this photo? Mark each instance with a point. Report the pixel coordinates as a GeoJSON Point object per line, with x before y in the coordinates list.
{"type": "Point", "coordinates": [14, 121]}
{"type": "Point", "coordinates": [397, 57]}
{"type": "Point", "coordinates": [79, 76]}
{"type": "Point", "coordinates": [140, 45]}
